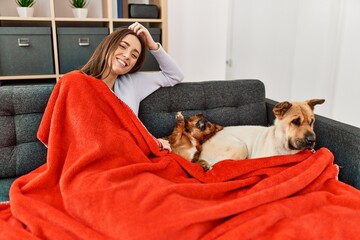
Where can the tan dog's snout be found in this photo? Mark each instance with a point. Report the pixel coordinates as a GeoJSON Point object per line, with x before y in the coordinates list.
{"type": "Point", "coordinates": [310, 139]}
{"type": "Point", "coordinates": [307, 141]}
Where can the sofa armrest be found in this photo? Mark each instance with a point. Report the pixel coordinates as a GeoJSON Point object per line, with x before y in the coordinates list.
{"type": "Point", "coordinates": [341, 139]}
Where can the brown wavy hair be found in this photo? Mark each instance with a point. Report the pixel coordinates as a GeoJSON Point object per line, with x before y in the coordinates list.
{"type": "Point", "coordinates": [99, 61]}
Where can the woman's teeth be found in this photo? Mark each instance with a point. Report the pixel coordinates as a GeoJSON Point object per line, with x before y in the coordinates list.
{"type": "Point", "coordinates": [122, 63]}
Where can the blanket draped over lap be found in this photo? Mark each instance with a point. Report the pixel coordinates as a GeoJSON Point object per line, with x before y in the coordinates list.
{"type": "Point", "coordinates": [105, 178]}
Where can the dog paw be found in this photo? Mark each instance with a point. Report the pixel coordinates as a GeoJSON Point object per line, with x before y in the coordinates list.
{"type": "Point", "coordinates": [205, 165]}
{"type": "Point", "coordinates": [179, 117]}
{"type": "Point", "coordinates": [207, 168]}
{"type": "Point", "coordinates": [179, 114]}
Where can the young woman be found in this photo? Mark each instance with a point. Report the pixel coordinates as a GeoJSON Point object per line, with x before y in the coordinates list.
{"type": "Point", "coordinates": [118, 59]}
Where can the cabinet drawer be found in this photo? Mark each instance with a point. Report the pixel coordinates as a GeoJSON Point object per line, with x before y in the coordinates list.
{"type": "Point", "coordinates": [76, 45]}
{"type": "Point", "coordinates": [26, 51]}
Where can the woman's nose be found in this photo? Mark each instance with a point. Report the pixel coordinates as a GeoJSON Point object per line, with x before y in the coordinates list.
{"type": "Point", "coordinates": [126, 54]}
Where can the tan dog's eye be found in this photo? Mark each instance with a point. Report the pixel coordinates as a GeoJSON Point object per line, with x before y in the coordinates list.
{"type": "Point", "coordinates": [296, 122]}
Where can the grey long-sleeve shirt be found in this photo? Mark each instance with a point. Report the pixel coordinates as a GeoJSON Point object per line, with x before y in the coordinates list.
{"type": "Point", "coordinates": [132, 88]}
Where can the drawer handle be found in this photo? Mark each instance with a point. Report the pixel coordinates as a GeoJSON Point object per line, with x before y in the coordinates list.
{"type": "Point", "coordinates": [23, 42]}
{"type": "Point", "coordinates": [84, 42]}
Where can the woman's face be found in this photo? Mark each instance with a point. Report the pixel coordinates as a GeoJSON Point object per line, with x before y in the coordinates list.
{"type": "Point", "coordinates": [126, 55]}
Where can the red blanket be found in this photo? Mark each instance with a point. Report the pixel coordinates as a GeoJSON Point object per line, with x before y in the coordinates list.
{"type": "Point", "coordinates": [105, 178]}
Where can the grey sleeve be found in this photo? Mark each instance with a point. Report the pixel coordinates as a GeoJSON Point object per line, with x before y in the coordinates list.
{"type": "Point", "coordinates": [146, 83]}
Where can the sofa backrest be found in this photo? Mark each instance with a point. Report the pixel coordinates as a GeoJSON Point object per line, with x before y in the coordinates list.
{"type": "Point", "coordinates": [236, 102]}
{"type": "Point", "coordinates": [21, 109]}
{"type": "Point", "coordinates": [231, 102]}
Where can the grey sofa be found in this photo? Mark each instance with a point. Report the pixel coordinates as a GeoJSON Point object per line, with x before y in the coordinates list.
{"type": "Point", "coordinates": [235, 102]}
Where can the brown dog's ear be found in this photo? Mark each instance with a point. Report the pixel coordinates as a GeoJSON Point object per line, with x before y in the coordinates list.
{"type": "Point", "coordinates": [314, 102]}
{"type": "Point", "coordinates": [218, 127]}
{"type": "Point", "coordinates": [281, 108]}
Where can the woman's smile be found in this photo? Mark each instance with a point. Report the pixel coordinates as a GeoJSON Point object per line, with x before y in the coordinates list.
{"type": "Point", "coordinates": [122, 62]}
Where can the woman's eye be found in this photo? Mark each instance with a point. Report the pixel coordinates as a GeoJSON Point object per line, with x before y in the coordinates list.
{"type": "Point", "coordinates": [134, 56]}
{"type": "Point", "coordinates": [122, 46]}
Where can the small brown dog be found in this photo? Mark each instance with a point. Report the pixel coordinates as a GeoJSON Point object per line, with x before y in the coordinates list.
{"type": "Point", "coordinates": [188, 136]}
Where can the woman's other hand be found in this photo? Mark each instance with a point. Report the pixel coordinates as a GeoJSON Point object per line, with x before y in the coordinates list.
{"type": "Point", "coordinates": [144, 33]}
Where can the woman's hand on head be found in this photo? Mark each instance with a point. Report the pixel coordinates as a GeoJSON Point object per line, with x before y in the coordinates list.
{"type": "Point", "coordinates": [144, 33]}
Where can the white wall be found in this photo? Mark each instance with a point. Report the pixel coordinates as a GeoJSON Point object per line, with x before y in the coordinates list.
{"type": "Point", "coordinates": [197, 37]}
{"type": "Point", "coordinates": [300, 49]}
{"type": "Point", "coordinates": [347, 94]}
{"type": "Point", "coordinates": [263, 41]}
{"type": "Point", "coordinates": [316, 53]}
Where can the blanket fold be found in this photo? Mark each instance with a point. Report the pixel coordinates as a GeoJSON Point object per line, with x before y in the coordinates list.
{"type": "Point", "coordinates": [105, 178]}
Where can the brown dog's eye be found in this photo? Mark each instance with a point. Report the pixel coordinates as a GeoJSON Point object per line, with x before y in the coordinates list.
{"type": "Point", "coordinates": [296, 122]}
{"type": "Point", "coordinates": [201, 124]}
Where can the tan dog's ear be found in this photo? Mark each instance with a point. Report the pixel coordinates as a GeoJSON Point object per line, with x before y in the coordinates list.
{"type": "Point", "coordinates": [281, 108]}
{"type": "Point", "coordinates": [314, 102]}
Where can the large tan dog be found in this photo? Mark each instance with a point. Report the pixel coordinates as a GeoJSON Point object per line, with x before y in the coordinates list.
{"type": "Point", "coordinates": [292, 132]}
